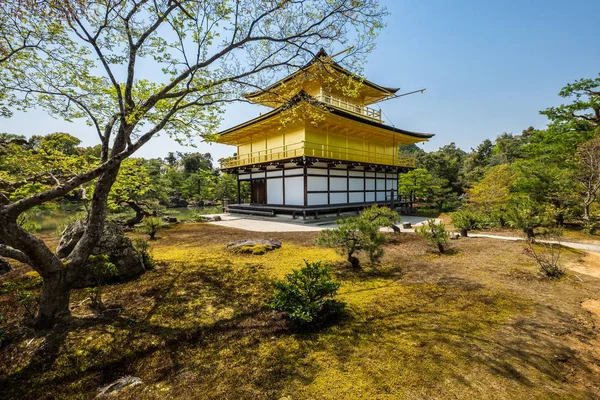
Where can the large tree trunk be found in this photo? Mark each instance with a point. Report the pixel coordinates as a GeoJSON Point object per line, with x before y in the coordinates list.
{"type": "Point", "coordinates": [54, 301]}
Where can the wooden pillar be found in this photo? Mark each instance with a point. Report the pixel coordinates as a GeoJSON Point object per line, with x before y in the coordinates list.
{"type": "Point", "coordinates": [305, 187]}
{"type": "Point", "coordinates": [239, 192]}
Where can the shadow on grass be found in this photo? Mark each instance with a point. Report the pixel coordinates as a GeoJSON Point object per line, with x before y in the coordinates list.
{"type": "Point", "coordinates": [435, 331]}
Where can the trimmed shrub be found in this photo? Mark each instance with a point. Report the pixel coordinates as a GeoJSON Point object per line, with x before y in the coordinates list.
{"type": "Point", "coordinates": [465, 221]}
{"type": "Point", "coordinates": [361, 233]}
{"type": "Point", "coordinates": [307, 296]}
{"type": "Point", "coordinates": [435, 233]}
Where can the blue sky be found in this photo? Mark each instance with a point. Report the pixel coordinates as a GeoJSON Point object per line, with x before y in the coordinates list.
{"type": "Point", "coordinates": [488, 67]}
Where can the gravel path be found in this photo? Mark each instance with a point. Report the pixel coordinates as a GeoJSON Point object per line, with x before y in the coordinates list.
{"type": "Point", "coordinates": [578, 246]}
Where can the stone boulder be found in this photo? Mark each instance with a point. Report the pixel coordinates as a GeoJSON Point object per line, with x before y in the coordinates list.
{"type": "Point", "coordinates": [113, 243]}
{"type": "Point", "coordinates": [251, 246]}
{"type": "Point", "coordinates": [4, 266]}
{"type": "Point", "coordinates": [217, 218]}
{"type": "Point", "coordinates": [175, 202]}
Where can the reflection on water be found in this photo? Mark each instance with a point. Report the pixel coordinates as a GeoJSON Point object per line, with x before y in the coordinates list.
{"type": "Point", "coordinates": [48, 221]}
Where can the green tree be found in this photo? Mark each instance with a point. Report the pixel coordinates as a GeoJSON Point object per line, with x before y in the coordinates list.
{"type": "Point", "coordinates": [492, 193]}
{"type": "Point", "coordinates": [478, 161]}
{"type": "Point", "coordinates": [446, 163]}
{"type": "Point", "coordinates": [417, 185]}
{"type": "Point", "coordinates": [226, 187]}
{"type": "Point", "coordinates": [588, 176]}
{"type": "Point", "coordinates": [61, 143]}
{"type": "Point", "coordinates": [583, 113]}
{"type": "Point", "coordinates": [90, 61]}
{"type": "Point", "coordinates": [195, 162]}
{"type": "Point", "coordinates": [507, 148]}
{"type": "Point", "coordinates": [199, 185]}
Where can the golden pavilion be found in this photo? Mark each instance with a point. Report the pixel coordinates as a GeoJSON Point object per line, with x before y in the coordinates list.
{"type": "Point", "coordinates": [321, 149]}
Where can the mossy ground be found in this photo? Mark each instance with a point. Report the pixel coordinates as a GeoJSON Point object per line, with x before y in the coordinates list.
{"type": "Point", "coordinates": [480, 323]}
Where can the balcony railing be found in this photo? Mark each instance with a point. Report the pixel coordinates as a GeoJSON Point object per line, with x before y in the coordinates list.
{"type": "Point", "coordinates": [318, 151]}
{"type": "Point", "coordinates": [357, 109]}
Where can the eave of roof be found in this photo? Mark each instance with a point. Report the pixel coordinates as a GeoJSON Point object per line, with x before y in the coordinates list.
{"type": "Point", "coordinates": [303, 96]}
{"type": "Point", "coordinates": [316, 58]}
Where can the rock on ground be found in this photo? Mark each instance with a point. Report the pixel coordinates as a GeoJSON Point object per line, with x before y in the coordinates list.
{"type": "Point", "coordinates": [113, 389]}
{"type": "Point", "coordinates": [175, 202]}
{"type": "Point", "coordinates": [250, 246]}
{"type": "Point", "coordinates": [113, 243]}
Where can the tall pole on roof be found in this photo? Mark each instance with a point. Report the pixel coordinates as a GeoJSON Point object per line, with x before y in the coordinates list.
{"type": "Point", "coordinates": [401, 95]}
{"type": "Point", "coordinates": [343, 51]}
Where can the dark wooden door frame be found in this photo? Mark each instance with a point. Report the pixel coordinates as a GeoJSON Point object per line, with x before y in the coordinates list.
{"type": "Point", "coordinates": [259, 191]}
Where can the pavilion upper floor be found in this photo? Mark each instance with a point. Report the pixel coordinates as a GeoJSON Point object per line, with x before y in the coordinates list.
{"type": "Point", "coordinates": [321, 132]}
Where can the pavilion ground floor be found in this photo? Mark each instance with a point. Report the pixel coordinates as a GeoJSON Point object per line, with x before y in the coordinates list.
{"type": "Point", "coordinates": [311, 187]}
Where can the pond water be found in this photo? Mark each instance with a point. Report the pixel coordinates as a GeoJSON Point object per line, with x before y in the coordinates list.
{"type": "Point", "coordinates": [51, 220]}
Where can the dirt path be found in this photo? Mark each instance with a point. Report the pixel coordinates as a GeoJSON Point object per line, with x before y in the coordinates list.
{"type": "Point", "coordinates": [593, 306]}
{"type": "Point", "coordinates": [590, 265]}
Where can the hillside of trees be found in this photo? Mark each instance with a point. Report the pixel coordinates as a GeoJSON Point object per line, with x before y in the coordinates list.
{"type": "Point", "coordinates": [142, 184]}
{"type": "Point", "coordinates": [538, 177]}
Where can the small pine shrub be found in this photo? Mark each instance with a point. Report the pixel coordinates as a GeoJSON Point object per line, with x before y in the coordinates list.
{"type": "Point", "coordinates": [151, 226]}
{"type": "Point", "coordinates": [361, 233]}
{"type": "Point", "coordinates": [435, 233]}
{"type": "Point", "coordinates": [143, 247]}
{"type": "Point", "coordinates": [307, 296]}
